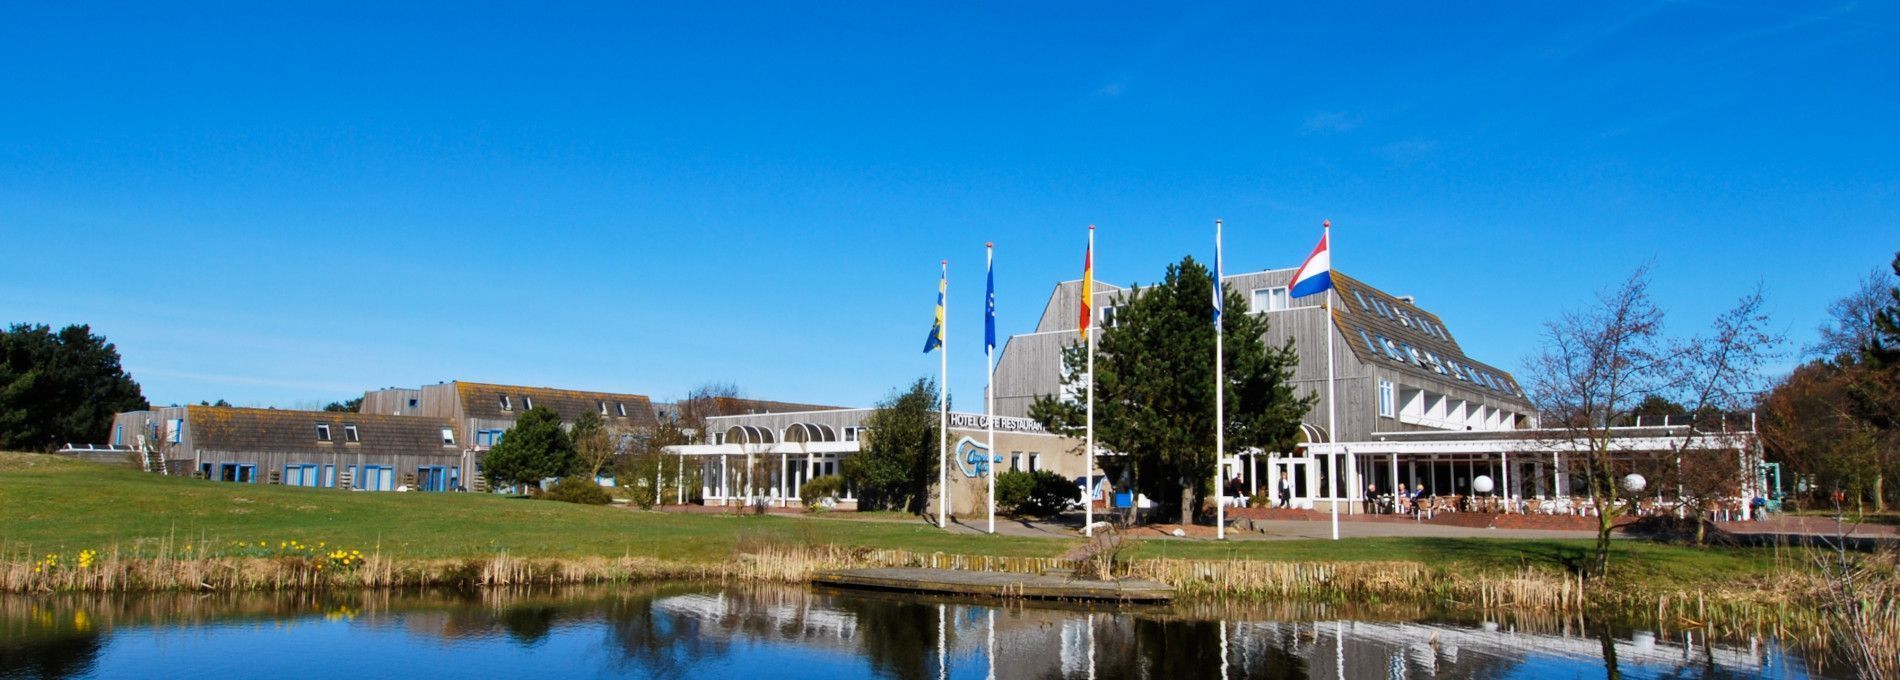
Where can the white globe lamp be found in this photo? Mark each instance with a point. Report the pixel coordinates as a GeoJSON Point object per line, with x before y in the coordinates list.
{"type": "Point", "coordinates": [1634, 483]}
{"type": "Point", "coordinates": [1481, 484]}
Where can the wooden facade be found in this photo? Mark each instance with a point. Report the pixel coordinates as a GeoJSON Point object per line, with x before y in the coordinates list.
{"type": "Point", "coordinates": [1030, 365]}
{"type": "Point", "coordinates": [322, 449]}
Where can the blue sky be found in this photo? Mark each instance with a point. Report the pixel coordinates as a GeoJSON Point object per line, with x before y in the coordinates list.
{"type": "Point", "coordinates": [288, 205]}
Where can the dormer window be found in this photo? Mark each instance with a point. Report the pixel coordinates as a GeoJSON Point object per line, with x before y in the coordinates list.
{"type": "Point", "coordinates": [622, 407]}
{"type": "Point", "coordinates": [350, 434]}
{"type": "Point", "coordinates": [603, 407]}
{"type": "Point", "coordinates": [527, 402]}
{"type": "Point", "coordinates": [323, 432]}
{"type": "Point", "coordinates": [448, 437]}
{"type": "Point", "coordinates": [505, 404]}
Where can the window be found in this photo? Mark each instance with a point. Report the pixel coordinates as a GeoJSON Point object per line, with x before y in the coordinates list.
{"type": "Point", "coordinates": [350, 434]}
{"type": "Point", "coordinates": [301, 474]}
{"type": "Point", "coordinates": [1404, 319]}
{"type": "Point", "coordinates": [603, 407]}
{"type": "Point", "coordinates": [1270, 299]}
{"type": "Point", "coordinates": [1035, 462]}
{"type": "Point", "coordinates": [1386, 398]}
{"type": "Point", "coordinates": [527, 402]}
{"type": "Point", "coordinates": [1362, 300]}
{"type": "Point", "coordinates": [505, 405]}
{"type": "Point", "coordinates": [621, 406]}
{"type": "Point", "coordinates": [1384, 310]}
{"type": "Point", "coordinates": [118, 435]}
{"type": "Point", "coordinates": [487, 437]}
{"type": "Point", "coordinates": [851, 434]}
{"type": "Point", "coordinates": [175, 429]}
{"type": "Point", "coordinates": [1108, 317]}
{"type": "Point", "coordinates": [1391, 349]}
{"type": "Point", "coordinates": [1436, 364]}
{"type": "Point", "coordinates": [329, 476]}
{"type": "Point", "coordinates": [413, 402]}
{"type": "Point", "coordinates": [323, 432]}
{"type": "Point", "coordinates": [1368, 339]}
{"type": "Point", "coordinates": [448, 436]}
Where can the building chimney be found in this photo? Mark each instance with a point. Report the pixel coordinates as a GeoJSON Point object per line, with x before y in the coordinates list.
{"type": "Point", "coordinates": [1409, 299]}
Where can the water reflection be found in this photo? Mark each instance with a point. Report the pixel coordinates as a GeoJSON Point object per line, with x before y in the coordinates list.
{"type": "Point", "coordinates": [668, 631]}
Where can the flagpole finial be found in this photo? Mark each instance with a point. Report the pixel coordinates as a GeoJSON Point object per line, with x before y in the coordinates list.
{"type": "Point", "coordinates": [943, 262]}
{"type": "Point", "coordinates": [989, 244]}
{"type": "Point", "coordinates": [1091, 227]}
{"type": "Point", "coordinates": [1328, 224]}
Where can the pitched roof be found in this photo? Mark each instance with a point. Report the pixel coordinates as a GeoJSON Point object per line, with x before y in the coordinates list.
{"type": "Point", "coordinates": [481, 400]}
{"type": "Point", "coordinates": [225, 428]}
{"type": "Point", "coordinates": [1381, 314]}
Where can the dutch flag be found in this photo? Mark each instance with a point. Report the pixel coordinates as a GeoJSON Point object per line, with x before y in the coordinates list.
{"type": "Point", "coordinates": [1316, 274]}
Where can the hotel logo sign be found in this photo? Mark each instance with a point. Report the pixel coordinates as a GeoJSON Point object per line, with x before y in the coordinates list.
{"type": "Point", "coordinates": [973, 421]}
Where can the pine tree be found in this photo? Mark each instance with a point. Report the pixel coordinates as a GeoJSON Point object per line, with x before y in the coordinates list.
{"type": "Point", "coordinates": [60, 387]}
{"type": "Point", "coordinates": [536, 448]}
{"type": "Point", "coordinates": [1154, 396]}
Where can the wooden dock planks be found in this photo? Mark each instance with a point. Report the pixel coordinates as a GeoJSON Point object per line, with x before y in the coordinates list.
{"type": "Point", "coordinates": [997, 584]}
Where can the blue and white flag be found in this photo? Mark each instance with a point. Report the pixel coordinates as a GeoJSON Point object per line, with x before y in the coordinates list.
{"type": "Point", "coordinates": [1217, 276]}
{"type": "Point", "coordinates": [989, 313]}
{"type": "Point", "coordinates": [1316, 274]}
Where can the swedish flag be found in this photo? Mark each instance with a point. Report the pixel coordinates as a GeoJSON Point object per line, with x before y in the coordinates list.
{"type": "Point", "coordinates": [936, 329]}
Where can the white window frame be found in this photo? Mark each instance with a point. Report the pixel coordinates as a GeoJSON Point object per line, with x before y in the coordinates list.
{"type": "Point", "coordinates": [1107, 318]}
{"type": "Point", "coordinates": [527, 403]}
{"type": "Point", "coordinates": [323, 432]}
{"type": "Point", "coordinates": [1388, 399]}
{"type": "Point", "coordinates": [351, 434]}
{"type": "Point", "coordinates": [448, 436]}
{"type": "Point", "coordinates": [603, 406]}
{"type": "Point", "coordinates": [1278, 299]}
{"type": "Point", "coordinates": [621, 406]}
{"type": "Point", "coordinates": [506, 404]}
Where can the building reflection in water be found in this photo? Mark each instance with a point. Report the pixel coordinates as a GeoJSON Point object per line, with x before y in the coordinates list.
{"type": "Point", "coordinates": [689, 630]}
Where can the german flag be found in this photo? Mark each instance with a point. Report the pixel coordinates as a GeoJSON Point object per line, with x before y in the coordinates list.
{"type": "Point", "coordinates": [1088, 284]}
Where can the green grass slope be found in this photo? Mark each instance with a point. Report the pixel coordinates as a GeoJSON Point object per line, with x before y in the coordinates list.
{"type": "Point", "coordinates": [55, 504]}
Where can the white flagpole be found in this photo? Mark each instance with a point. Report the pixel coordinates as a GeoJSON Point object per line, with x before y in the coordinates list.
{"type": "Point", "coordinates": [1088, 468]}
{"type": "Point", "coordinates": [943, 408]}
{"type": "Point", "coordinates": [1332, 422]}
{"type": "Point", "coordinates": [1220, 399]}
{"type": "Point", "coordinates": [989, 405]}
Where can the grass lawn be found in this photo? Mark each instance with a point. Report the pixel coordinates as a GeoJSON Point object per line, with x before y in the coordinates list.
{"type": "Point", "coordinates": [55, 504]}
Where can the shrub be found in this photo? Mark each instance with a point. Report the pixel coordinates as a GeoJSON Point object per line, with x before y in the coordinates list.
{"type": "Point", "coordinates": [814, 492]}
{"type": "Point", "coordinates": [578, 489]}
{"type": "Point", "coordinates": [1035, 494]}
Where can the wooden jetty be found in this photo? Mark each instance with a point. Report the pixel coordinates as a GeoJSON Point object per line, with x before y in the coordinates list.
{"type": "Point", "coordinates": [997, 584]}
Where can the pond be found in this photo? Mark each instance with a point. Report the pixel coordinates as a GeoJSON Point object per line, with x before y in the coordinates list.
{"type": "Point", "coordinates": [711, 631]}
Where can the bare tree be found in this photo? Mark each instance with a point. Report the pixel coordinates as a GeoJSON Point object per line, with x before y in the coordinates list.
{"type": "Point", "coordinates": [1719, 374]}
{"type": "Point", "coordinates": [1850, 324]}
{"type": "Point", "coordinates": [642, 466]}
{"type": "Point", "coordinates": [1598, 363]}
{"type": "Point", "coordinates": [703, 402]}
{"type": "Point", "coordinates": [594, 444]}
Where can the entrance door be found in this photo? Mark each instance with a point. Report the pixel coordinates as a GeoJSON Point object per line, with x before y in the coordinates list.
{"type": "Point", "coordinates": [1294, 472]}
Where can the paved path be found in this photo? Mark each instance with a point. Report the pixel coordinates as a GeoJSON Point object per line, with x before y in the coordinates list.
{"type": "Point", "coordinates": [1264, 530]}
